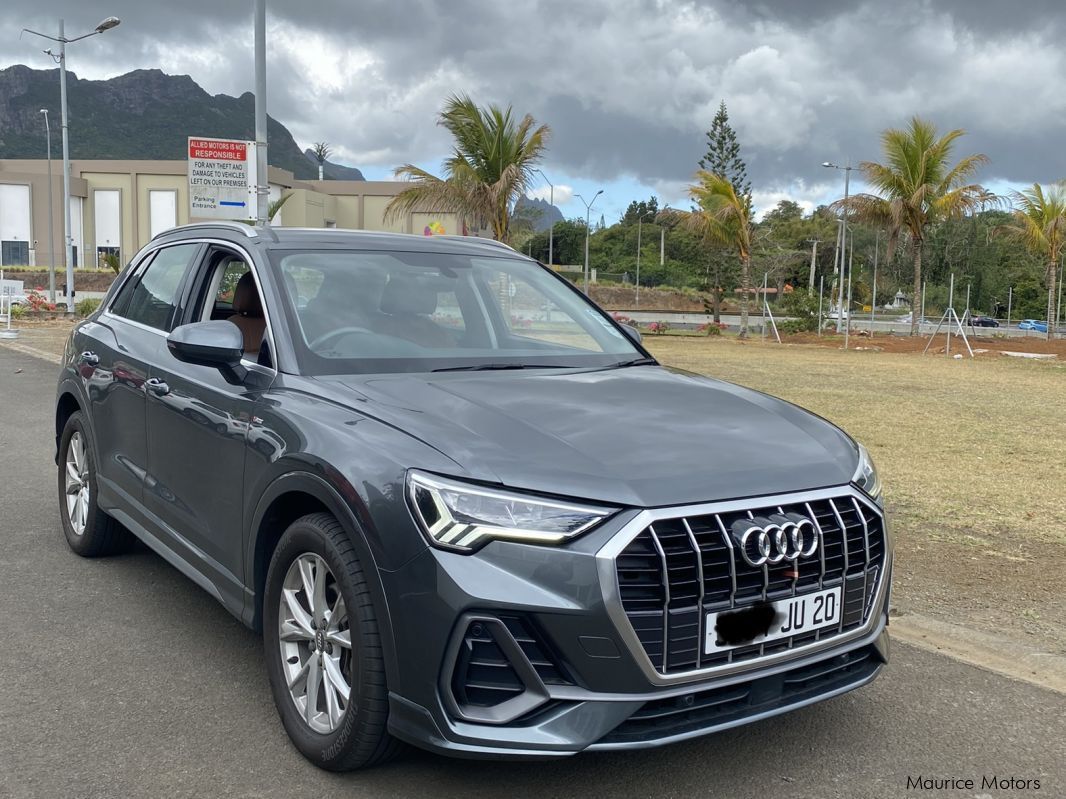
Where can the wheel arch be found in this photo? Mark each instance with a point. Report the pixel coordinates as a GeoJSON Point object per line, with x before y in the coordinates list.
{"type": "Point", "coordinates": [67, 404]}
{"type": "Point", "coordinates": [287, 499]}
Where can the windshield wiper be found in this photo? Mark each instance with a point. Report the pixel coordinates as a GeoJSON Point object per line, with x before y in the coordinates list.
{"type": "Point", "coordinates": [635, 362]}
{"type": "Point", "coordinates": [484, 367]}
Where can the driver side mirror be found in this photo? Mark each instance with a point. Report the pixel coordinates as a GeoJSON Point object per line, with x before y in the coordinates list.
{"type": "Point", "coordinates": [632, 332]}
{"type": "Point", "coordinates": [219, 344]}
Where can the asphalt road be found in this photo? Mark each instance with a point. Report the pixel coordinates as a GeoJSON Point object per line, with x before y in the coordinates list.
{"type": "Point", "coordinates": [120, 678]}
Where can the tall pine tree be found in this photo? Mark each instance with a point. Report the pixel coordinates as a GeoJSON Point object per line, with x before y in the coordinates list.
{"type": "Point", "coordinates": [723, 154]}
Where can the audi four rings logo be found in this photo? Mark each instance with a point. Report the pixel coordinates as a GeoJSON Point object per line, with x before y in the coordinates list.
{"type": "Point", "coordinates": [775, 539]}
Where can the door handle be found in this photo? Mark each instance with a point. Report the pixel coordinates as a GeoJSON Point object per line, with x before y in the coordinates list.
{"type": "Point", "coordinates": [89, 358]}
{"type": "Point", "coordinates": [157, 386]}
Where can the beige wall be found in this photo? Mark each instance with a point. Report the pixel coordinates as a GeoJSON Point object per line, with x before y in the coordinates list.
{"type": "Point", "coordinates": [358, 205]}
{"type": "Point", "coordinates": [147, 183]}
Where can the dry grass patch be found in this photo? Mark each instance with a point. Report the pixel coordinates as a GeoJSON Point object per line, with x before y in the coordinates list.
{"type": "Point", "coordinates": [968, 450]}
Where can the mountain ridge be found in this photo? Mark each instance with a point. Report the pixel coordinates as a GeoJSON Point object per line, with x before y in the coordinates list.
{"type": "Point", "coordinates": [145, 114]}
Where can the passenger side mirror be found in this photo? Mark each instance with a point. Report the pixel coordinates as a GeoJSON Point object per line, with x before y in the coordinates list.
{"type": "Point", "coordinates": [632, 332]}
{"type": "Point", "coordinates": [217, 343]}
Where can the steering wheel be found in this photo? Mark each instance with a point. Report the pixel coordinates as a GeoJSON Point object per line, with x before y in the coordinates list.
{"type": "Point", "coordinates": [336, 334]}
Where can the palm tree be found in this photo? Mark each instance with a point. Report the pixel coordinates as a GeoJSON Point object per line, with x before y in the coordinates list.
{"type": "Point", "coordinates": [272, 209]}
{"type": "Point", "coordinates": [1040, 224]}
{"type": "Point", "coordinates": [490, 168]}
{"type": "Point", "coordinates": [722, 218]}
{"type": "Point", "coordinates": [915, 188]}
{"type": "Point", "coordinates": [321, 151]}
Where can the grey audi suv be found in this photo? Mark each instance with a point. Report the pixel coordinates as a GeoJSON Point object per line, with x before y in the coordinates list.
{"type": "Point", "coordinates": [465, 508]}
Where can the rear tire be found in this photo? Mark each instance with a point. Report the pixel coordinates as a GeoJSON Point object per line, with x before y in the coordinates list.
{"type": "Point", "coordinates": [89, 531]}
{"type": "Point", "coordinates": [320, 629]}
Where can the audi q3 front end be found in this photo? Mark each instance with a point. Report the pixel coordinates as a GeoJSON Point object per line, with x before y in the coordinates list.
{"type": "Point", "coordinates": [466, 509]}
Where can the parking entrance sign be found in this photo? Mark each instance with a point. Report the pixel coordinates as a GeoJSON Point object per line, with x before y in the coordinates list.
{"type": "Point", "coordinates": [222, 178]}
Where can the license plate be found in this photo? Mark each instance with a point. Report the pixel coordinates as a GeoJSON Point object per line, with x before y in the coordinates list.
{"type": "Point", "coordinates": [761, 624]}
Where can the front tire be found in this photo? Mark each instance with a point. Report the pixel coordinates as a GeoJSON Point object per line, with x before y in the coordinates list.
{"type": "Point", "coordinates": [323, 649]}
{"type": "Point", "coordinates": [89, 531]}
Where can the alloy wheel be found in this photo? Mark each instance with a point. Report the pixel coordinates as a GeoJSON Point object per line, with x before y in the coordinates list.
{"type": "Point", "coordinates": [315, 640]}
{"type": "Point", "coordinates": [77, 483]}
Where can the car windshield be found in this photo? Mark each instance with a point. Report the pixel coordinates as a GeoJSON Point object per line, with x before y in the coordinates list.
{"type": "Point", "coordinates": [373, 312]}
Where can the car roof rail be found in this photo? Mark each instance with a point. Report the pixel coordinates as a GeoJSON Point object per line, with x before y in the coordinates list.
{"type": "Point", "coordinates": [478, 240]}
{"type": "Point", "coordinates": [239, 227]}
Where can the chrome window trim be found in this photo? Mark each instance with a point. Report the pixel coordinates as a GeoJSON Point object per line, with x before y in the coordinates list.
{"type": "Point", "coordinates": [150, 250]}
{"type": "Point", "coordinates": [609, 552]}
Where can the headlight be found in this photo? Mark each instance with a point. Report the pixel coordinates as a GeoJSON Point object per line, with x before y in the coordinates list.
{"type": "Point", "coordinates": [464, 517]}
{"type": "Point", "coordinates": [866, 475]}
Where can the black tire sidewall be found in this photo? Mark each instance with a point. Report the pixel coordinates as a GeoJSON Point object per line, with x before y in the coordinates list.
{"type": "Point", "coordinates": [332, 751]}
{"type": "Point", "coordinates": [89, 541]}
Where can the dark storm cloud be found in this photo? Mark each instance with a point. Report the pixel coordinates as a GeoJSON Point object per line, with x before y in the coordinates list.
{"type": "Point", "coordinates": [629, 86]}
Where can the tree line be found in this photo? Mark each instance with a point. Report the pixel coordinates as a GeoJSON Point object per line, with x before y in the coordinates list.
{"type": "Point", "coordinates": [924, 218]}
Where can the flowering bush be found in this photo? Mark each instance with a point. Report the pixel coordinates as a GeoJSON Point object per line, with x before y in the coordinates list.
{"type": "Point", "coordinates": [658, 328]}
{"type": "Point", "coordinates": [622, 319]}
{"type": "Point", "coordinates": [517, 321]}
{"type": "Point", "coordinates": [38, 302]}
{"type": "Point", "coordinates": [711, 328]}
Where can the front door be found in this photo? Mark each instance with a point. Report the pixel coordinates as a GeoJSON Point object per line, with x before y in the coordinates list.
{"type": "Point", "coordinates": [197, 431]}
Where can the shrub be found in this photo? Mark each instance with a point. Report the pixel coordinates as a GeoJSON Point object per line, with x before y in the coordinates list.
{"type": "Point", "coordinates": [86, 306]}
{"type": "Point", "coordinates": [711, 328]}
{"type": "Point", "coordinates": [38, 302]}
{"type": "Point", "coordinates": [803, 308]}
{"type": "Point", "coordinates": [111, 261]}
{"type": "Point", "coordinates": [658, 328]}
{"type": "Point", "coordinates": [18, 311]}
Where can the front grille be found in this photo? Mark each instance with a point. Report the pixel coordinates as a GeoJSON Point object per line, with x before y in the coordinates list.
{"type": "Point", "coordinates": [677, 570]}
{"type": "Point", "coordinates": [706, 710]}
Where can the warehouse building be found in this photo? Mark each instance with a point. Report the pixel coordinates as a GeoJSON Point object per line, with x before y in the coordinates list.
{"type": "Point", "coordinates": [117, 206]}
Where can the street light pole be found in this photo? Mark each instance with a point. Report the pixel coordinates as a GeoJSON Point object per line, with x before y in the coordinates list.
{"type": "Point", "coordinates": [106, 25]}
{"type": "Point", "coordinates": [588, 231]}
{"type": "Point", "coordinates": [640, 222]}
{"type": "Point", "coordinates": [51, 231]}
{"type": "Point", "coordinates": [551, 230]}
{"type": "Point", "coordinates": [844, 237]}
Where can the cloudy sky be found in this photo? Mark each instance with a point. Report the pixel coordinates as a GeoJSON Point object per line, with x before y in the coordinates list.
{"type": "Point", "coordinates": [628, 86]}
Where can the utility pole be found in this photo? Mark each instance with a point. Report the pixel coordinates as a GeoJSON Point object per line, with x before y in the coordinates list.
{"type": "Point", "coordinates": [51, 233]}
{"type": "Point", "coordinates": [551, 229]}
{"type": "Point", "coordinates": [814, 261]}
{"type": "Point", "coordinates": [873, 297]}
{"type": "Point", "coordinates": [262, 184]}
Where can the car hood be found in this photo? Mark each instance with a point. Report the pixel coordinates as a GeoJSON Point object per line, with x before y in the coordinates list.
{"type": "Point", "coordinates": [640, 436]}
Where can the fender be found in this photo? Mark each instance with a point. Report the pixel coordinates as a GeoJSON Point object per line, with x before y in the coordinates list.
{"type": "Point", "coordinates": [68, 385]}
{"type": "Point", "coordinates": [329, 496]}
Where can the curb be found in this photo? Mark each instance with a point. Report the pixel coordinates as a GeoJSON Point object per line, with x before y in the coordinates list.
{"type": "Point", "coordinates": [990, 652]}
{"type": "Point", "coordinates": [36, 353]}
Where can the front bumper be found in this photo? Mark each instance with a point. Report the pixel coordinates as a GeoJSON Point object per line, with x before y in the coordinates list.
{"type": "Point", "coordinates": [577, 681]}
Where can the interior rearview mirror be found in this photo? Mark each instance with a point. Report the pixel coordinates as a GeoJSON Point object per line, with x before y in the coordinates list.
{"type": "Point", "coordinates": [632, 332]}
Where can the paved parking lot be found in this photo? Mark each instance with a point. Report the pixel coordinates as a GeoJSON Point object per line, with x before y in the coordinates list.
{"type": "Point", "coordinates": [120, 678]}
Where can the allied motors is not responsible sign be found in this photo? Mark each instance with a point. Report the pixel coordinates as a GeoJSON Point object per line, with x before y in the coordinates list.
{"type": "Point", "coordinates": [222, 178]}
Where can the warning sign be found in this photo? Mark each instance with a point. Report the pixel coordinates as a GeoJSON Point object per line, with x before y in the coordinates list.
{"type": "Point", "coordinates": [222, 179]}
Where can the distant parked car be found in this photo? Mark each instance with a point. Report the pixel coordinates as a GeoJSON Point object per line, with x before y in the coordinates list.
{"type": "Point", "coordinates": [983, 321]}
{"type": "Point", "coordinates": [1033, 324]}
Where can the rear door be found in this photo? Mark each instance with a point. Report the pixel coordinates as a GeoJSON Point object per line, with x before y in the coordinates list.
{"type": "Point", "coordinates": [114, 356]}
{"type": "Point", "coordinates": [197, 433]}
